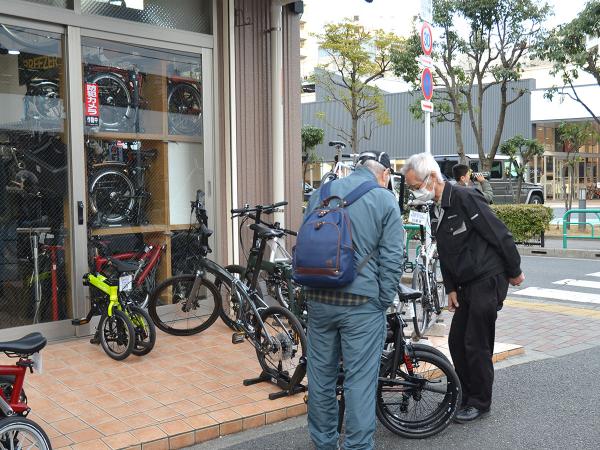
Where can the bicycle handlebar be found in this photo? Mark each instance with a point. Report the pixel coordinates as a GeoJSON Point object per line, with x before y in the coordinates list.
{"type": "Point", "coordinates": [274, 226]}
{"type": "Point", "coordinates": [267, 209]}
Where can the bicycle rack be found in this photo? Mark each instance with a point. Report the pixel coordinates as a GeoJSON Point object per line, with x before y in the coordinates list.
{"type": "Point", "coordinates": [288, 385]}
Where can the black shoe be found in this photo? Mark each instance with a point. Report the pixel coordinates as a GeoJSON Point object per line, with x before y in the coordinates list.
{"type": "Point", "coordinates": [469, 414]}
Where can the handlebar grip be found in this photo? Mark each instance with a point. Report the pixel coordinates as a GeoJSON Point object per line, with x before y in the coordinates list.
{"type": "Point", "coordinates": [290, 232]}
{"type": "Point", "coordinates": [277, 205]}
{"type": "Point", "coordinates": [238, 210]}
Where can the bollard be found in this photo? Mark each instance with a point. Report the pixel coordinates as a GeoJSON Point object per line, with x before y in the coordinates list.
{"type": "Point", "coordinates": [582, 194]}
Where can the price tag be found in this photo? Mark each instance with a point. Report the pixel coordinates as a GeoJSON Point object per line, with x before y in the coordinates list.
{"type": "Point", "coordinates": [125, 283]}
{"type": "Point", "coordinates": [418, 218]}
{"type": "Point", "coordinates": [38, 366]}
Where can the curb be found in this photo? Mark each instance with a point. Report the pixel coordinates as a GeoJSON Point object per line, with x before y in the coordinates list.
{"type": "Point", "coordinates": [558, 252]}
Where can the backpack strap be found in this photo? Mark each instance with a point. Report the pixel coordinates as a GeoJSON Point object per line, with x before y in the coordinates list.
{"type": "Point", "coordinates": [325, 191]}
{"type": "Point", "coordinates": [359, 192]}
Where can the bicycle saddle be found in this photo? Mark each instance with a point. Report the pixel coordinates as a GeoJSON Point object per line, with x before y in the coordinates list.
{"type": "Point", "coordinates": [124, 266]}
{"type": "Point", "coordinates": [265, 232]}
{"type": "Point", "coordinates": [406, 293]}
{"type": "Point", "coordinates": [27, 345]}
{"type": "Point", "coordinates": [335, 143]}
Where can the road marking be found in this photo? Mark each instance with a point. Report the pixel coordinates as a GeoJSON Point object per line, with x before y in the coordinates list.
{"type": "Point", "coordinates": [556, 294]}
{"type": "Point", "coordinates": [554, 308]}
{"type": "Point", "coordinates": [579, 283]}
{"type": "Point", "coordinates": [595, 274]}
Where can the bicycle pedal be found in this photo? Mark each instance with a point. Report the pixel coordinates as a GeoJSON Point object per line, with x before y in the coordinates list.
{"type": "Point", "coordinates": [77, 322]}
{"type": "Point", "coordinates": [238, 338]}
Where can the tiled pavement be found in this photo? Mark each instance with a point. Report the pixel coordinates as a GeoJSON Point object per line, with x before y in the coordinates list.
{"type": "Point", "coordinates": [187, 390]}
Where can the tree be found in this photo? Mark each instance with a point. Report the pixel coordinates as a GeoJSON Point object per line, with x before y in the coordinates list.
{"type": "Point", "coordinates": [573, 136]}
{"type": "Point", "coordinates": [311, 137]}
{"type": "Point", "coordinates": [357, 58]}
{"type": "Point", "coordinates": [566, 47]}
{"type": "Point", "coordinates": [500, 34]}
{"type": "Point", "coordinates": [524, 149]}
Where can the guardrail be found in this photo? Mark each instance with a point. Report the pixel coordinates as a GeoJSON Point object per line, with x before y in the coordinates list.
{"type": "Point", "coordinates": [567, 222]}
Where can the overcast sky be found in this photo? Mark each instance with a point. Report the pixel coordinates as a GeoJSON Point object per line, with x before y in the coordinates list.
{"type": "Point", "coordinates": [400, 12]}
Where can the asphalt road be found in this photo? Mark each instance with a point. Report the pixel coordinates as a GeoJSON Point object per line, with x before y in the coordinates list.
{"type": "Point", "coordinates": [545, 273]}
{"type": "Point", "coordinates": [539, 405]}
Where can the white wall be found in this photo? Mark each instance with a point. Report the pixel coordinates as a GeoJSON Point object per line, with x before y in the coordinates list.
{"type": "Point", "coordinates": [186, 176]}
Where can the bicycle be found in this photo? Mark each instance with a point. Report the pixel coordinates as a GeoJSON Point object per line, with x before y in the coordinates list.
{"type": "Point", "coordinates": [117, 186]}
{"type": "Point", "coordinates": [341, 168]}
{"type": "Point", "coordinates": [124, 328]}
{"type": "Point", "coordinates": [144, 276]}
{"type": "Point", "coordinates": [185, 105]}
{"type": "Point", "coordinates": [16, 430]}
{"type": "Point", "coordinates": [409, 375]}
{"type": "Point", "coordinates": [275, 269]}
{"type": "Point", "coordinates": [427, 276]}
{"type": "Point", "coordinates": [274, 332]}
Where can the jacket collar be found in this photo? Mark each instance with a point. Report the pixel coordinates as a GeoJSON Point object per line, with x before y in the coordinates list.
{"type": "Point", "coordinates": [364, 172]}
{"type": "Point", "coordinates": [446, 195]}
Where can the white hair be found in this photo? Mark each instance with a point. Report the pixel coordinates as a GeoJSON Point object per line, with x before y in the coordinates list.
{"type": "Point", "coordinates": [422, 164]}
{"type": "Point", "coordinates": [374, 166]}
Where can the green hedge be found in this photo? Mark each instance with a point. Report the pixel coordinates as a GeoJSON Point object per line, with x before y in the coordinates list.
{"type": "Point", "coordinates": [524, 221]}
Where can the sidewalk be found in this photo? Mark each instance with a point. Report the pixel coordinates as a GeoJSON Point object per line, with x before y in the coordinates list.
{"type": "Point", "coordinates": [187, 390]}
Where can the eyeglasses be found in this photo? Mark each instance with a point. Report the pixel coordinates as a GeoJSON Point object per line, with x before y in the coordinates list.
{"type": "Point", "coordinates": [421, 184]}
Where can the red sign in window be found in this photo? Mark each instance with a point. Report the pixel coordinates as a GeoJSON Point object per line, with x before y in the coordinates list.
{"type": "Point", "coordinates": [92, 112]}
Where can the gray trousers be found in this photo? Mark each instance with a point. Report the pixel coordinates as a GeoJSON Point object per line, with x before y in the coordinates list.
{"type": "Point", "coordinates": [355, 334]}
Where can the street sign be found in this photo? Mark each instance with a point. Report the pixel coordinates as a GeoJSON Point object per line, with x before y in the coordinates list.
{"type": "Point", "coordinates": [427, 106]}
{"type": "Point", "coordinates": [424, 61]}
{"type": "Point", "coordinates": [426, 38]}
{"type": "Point", "coordinates": [427, 84]}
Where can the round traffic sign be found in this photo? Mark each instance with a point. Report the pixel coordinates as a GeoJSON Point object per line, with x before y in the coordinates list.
{"type": "Point", "coordinates": [426, 38]}
{"type": "Point", "coordinates": [427, 84]}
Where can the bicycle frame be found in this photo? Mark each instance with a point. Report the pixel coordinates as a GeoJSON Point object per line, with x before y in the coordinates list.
{"type": "Point", "coordinates": [12, 405]}
{"type": "Point", "coordinates": [99, 282]}
{"type": "Point", "coordinates": [150, 258]}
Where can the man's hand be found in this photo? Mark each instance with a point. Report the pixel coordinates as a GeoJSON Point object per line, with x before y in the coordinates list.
{"type": "Point", "coordinates": [452, 301]}
{"type": "Point", "coordinates": [517, 280]}
{"type": "Point", "coordinates": [480, 178]}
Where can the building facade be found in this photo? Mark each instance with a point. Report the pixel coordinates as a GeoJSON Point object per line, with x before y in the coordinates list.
{"type": "Point", "coordinates": [114, 114]}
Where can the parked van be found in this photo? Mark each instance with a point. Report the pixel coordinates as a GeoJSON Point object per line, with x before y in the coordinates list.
{"type": "Point", "coordinates": [501, 178]}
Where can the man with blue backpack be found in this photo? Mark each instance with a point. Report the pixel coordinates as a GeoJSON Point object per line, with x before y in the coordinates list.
{"type": "Point", "coordinates": [348, 255]}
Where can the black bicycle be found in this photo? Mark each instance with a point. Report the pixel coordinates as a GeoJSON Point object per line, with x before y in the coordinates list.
{"type": "Point", "coordinates": [418, 391]}
{"type": "Point", "coordinates": [117, 187]}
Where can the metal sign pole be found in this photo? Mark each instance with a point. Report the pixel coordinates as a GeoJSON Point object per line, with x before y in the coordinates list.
{"type": "Point", "coordinates": [427, 132]}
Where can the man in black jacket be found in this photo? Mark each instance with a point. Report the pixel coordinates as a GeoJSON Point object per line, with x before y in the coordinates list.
{"type": "Point", "coordinates": [478, 259]}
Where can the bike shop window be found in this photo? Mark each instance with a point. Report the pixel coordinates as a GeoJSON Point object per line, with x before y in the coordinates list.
{"type": "Point", "coordinates": [33, 178]}
{"type": "Point", "coordinates": [188, 15]}
{"type": "Point", "coordinates": [143, 120]}
{"type": "Point", "coordinates": [57, 3]}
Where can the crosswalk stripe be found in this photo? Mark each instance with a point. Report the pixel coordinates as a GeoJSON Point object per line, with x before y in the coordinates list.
{"type": "Point", "coordinates": [579, 283]}
{"type": "Point", "coordinates": [556, 294]}
{"type": "Point", "coordinates": [595, 274]}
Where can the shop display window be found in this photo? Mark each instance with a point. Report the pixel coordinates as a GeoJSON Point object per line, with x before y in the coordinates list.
{"type": "Point", "coordinates": [143, 119]}
{"type": "Point", "coordinates": [57, 3]}
{"type": "Point", "coordinates": [34, 210]}
{"type": "Point", "coordinates": [188, 15]}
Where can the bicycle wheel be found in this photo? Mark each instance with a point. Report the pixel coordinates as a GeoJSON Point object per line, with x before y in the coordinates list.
{"type": "Point", "coordinates": [17, 432]}
{"type": "Point", "coordinates": [112, 196]}
{"type": "Point", "coordinates": [46, 100]}
{"type": "Point", "coordinates": [282, 356]}
{"type": "Point", "coordinates": [440, 299]}
{"type": "Point", "coordinates": [229, 304]}
{"type": "Point", "coordinates": [117, 335]}
{"type": "Point", "coordinates": [174, 312]}
{"type": "Point", "coordinates": [424, 408]}
{"type": "Point", "coordinates": [421, 308]}
{"type": "Point", "coordinates": [114, 98]}
{"type": "Point", "coordinates": [145, 331]}
{"type": "Point", "coordinates": [185, 109]}
{"type": "Point", "coordinates": [329, 176]}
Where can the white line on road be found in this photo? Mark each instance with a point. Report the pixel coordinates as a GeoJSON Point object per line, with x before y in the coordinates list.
{"type": "Point", "coordinates": [579, 283]}
{"type": "Point", "coordinates": [595, 274]}
{"type": "Point", "coordinates": [571, 296]}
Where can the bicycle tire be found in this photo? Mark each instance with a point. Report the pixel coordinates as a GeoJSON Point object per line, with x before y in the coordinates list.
{"type": "Point", "coordinates": [428, 364]}
{"type": "Point", "coordinates": [45, 99]}
{"type": "Point", "coordinates": [440, 298]}
{"type": "Point", "coordinates": [107, 100]}
{"type": "Point", "coordinates": [422, 314]}
{"type": "Point", "coordinates": [329, 176]}
{"type": "Point", "coordinates": [290, 343]}
{"type": "Point", "coordinates": [145, 331]}
{"type": "Point", "coordinates": [113, 198]}
{"type": "Point", "coordinates": [13, 429]}
{"type": "Point", "coordinates": [181, 121]}
{"type": "Point", "coordinates": [165, 299]}
{"type": "Point", "coordinates": [119, 323]}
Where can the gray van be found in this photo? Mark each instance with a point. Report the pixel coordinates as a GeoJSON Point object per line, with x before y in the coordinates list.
{"type": "Point", "coordinates": [499, 178]}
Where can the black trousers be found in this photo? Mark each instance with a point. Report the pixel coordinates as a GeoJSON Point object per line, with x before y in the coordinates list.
{"type": "Point", "coordinates": [471, 339]}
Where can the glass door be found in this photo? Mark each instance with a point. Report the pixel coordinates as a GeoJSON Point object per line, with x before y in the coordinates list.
{"type": "Point", "coordinates": [34, 178]}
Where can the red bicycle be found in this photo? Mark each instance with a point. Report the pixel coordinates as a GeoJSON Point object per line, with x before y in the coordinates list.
{"type": "Point", "coordinates": [16, 430]}
{"type": "Point", "coordinates": [142, 265]}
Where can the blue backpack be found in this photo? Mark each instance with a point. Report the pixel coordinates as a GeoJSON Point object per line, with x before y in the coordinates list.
{"type": "Point", "coordinates": [324, 255]}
